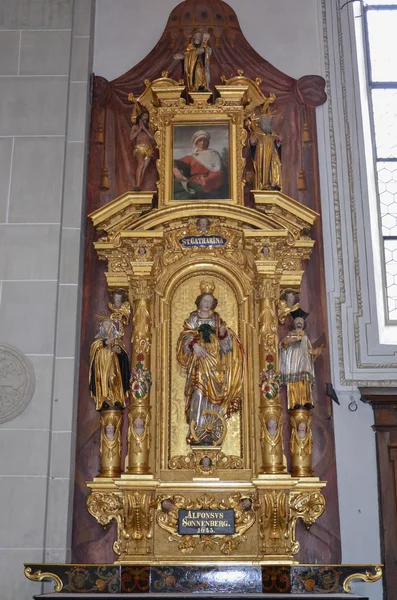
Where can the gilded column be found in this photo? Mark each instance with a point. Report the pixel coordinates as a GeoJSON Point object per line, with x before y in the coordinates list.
{"type": "Point", "coordinates": [301, 442]}
{"type": "Point", "coordinates": [270, 409]}
{"type": "Point", "coordinates": [141, 379]}
{"type": "Point", "coordinates": [110, 442]}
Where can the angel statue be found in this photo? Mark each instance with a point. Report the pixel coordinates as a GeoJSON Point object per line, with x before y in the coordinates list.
{"type": "Point", "coordinates": [213, 357]}
{"type": "Point", "coordinates": [109, 369]}
{"type": "Point", "coordinates": [197, 62]}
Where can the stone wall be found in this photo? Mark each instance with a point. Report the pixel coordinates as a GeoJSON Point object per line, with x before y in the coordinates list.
{"type": "Point", "coordinates": [45, 65]}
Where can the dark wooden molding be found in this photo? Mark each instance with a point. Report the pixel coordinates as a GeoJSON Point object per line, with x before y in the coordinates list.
{"type": "Point", "coordinates": [384, 403]}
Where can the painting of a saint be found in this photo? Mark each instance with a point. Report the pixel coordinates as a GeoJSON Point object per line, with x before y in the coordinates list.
{"type": "Point", "coordinates": [201, 162]}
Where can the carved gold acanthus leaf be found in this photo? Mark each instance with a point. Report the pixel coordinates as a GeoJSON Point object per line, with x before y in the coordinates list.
{"type": "Point", "coordinates": [44, 576]}
{"type": "Point", "coordinates": [104, 506]}
{"type": "Point", "coordinates": [308, 506]}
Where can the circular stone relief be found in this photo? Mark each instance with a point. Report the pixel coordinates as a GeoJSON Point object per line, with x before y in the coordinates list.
{"type": "Point", "coordinates": [17, 382]}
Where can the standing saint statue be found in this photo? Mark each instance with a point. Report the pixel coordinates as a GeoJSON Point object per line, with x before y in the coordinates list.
{"type": "Point", "coordinates": [265, 146]}
{"type": "Point", "coordinates": [213, 358]}
{"type": "Point", "coordinates": [297, 358]}
{"type": "Point", "coordinates": [109, 369]}
{"type": "Point", "coordinates": [143, 141]}
{"type": "Point", "coordinates": [196, 60]}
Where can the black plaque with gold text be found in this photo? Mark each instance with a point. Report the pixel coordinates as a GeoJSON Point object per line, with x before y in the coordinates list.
{"type": "Point", "coordinates": [206, 522]}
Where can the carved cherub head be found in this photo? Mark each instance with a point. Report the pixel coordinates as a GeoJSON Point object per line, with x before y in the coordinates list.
{"type": "Point", "coordinates": [206, 463]}
{"type": "Point", "coordinates": [302, 429]}
{"type": "Point", "coordinates": [203, 224]}
{"type": "Point", "coordinates": [118, 298]}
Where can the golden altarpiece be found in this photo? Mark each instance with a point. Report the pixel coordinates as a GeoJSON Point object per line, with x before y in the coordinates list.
{"type": "Point", "coordinates": [186, 455]}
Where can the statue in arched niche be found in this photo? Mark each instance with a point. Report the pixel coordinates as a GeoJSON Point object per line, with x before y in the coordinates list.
{"type": "Point", "coordinates": [212, 355]}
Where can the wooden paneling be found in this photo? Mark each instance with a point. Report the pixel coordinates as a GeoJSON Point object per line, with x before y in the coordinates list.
{"type": "Point", "coordinates": [384, 403]}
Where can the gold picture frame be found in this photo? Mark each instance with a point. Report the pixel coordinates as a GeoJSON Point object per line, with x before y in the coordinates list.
{"type": "Point", "coordinates": [180, 129]}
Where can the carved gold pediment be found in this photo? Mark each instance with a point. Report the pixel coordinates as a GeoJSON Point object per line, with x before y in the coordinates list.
{"type": "Point", "coordinates": [274, 237]}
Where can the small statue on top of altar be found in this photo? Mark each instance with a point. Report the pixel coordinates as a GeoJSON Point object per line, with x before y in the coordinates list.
{"type": "Point", "coordinates": [121, 310]}
{"type": "Point", "coordinates": [212, 356]}
{"type": "Point", "coordinates": [196, 60]}
{"type": "Point", "coordinates": [288, 303]}
{"type": "Point", "coordinates": [297, 358]}
{"type": "Point", "coordinates": [144, 145]}
{"type": "Point", "coordinates": [109, 367]}
{"type": "Point", "coordinates": [266, 151]}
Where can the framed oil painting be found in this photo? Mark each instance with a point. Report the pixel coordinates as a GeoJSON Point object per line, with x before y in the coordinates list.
{"type": "Point", "coordinates": [201, 166]}
{"type": "Point", "coordinates": [200, 153]}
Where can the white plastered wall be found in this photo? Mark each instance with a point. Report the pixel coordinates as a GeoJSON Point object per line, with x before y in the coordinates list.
{"type": "Point", "coordinates": [45, 65]}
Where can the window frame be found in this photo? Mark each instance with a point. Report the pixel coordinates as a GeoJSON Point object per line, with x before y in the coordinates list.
{"type": "Point", "coordinates": [373, 85]}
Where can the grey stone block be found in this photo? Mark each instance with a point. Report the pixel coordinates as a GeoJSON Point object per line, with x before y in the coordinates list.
{"type": "Point", "coordinates": [9, 52]}
{"type": "Point", "coordinates": [36, 14]}
{"type": "Point", "coordinates": [45, 53]}
{"type": "Point", "coordinates": [27, 315]}
{"type": "Point", "coordinates": [29, 252]}
{"type": "Point", "coordinates": [33, 105]}
{"type": "Point", "coordinates": [5, 166]}
{"type": "Point", "coordinates": [36, 186]}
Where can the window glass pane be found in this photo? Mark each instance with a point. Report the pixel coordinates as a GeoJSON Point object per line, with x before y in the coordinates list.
{"type": "Point", "coordinates": [377, 2]}
{"type": "Point", "coordinates": [382, 27]}
{"type": "Point", "coordinates": [387, 183]}
{"type": "Point", "coordinates": [385, 118]}
{"type": "Point", "coordinates": [391, 276]}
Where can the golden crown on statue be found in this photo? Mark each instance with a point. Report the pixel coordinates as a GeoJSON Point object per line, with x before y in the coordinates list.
{"type": "Point", "coordinates": [207, 287]}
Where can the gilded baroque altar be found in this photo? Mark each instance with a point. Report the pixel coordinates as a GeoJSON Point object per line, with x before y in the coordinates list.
{"type": "Point", "coordinates": [204, 431]}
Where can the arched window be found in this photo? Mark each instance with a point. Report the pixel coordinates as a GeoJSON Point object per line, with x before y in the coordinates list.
{"type": "Point", "coordinates": [380, 34]}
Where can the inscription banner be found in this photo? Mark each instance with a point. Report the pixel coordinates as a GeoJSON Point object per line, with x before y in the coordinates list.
{"type": "Point", "coordinates": [206, 522]}
{"type": "Point", "coordinates": [202, 240]}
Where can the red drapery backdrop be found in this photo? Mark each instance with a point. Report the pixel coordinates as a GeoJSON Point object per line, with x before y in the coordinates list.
{"type": "Point", "coordinates": [294, 108]}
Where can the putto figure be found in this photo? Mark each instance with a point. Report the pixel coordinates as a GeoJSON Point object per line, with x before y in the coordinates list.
{"type": "Point", "coordinates": [201, 174]}
{"type": "Point", "coordinates": [297, 363]}
{"type": "Point", "coordinates": [196, 60]}
{"type": "Point", "coordinates": [144, 145]}
{"type": "Point", "coordinates": [109, 371]}
{"type": "Point", "coordinates": [212, 356]}
{"type": "Point", "coordinates": [289, 302]}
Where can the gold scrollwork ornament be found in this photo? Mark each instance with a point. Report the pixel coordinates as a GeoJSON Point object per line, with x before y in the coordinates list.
{"type": "Point", "coordinates": [367, 577]}
{"type": "Point", "coordinates": [43, 576]}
